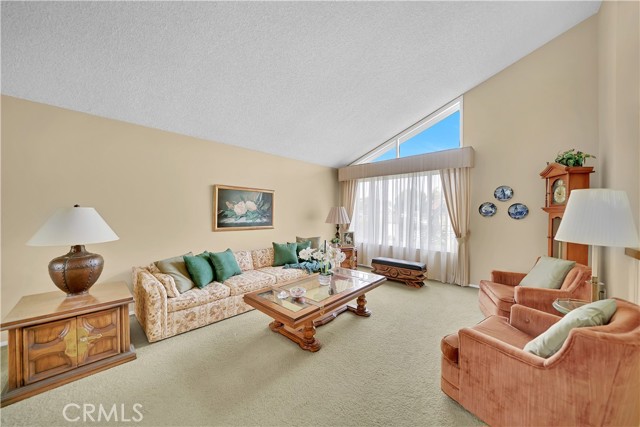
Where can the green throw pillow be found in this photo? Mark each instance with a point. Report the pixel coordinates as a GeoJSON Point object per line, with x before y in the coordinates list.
{"type": "Point", "coordinates": [284, 253]}
{"type": "Point", "coordinates": [224, 264]}
{"type": "Point", "coordinates": [176, 268]}
{"type": "Point", "coordinates": [300, 246]}
{"type": "Point", "coordinates": [594, 314]}
{"type": "Point", "coordinates": [199, 268]}
{"type": "Point", "coordinates": [548, 273]}
{"type": "Point", "coordinates": [315, 241]}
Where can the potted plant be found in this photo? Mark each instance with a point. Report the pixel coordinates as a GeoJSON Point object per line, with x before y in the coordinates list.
{"type": "Point", "coordinates": [573, 158]}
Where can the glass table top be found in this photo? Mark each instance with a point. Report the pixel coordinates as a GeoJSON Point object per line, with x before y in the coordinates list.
{"type": "Point", "coordinates": [343, 280]}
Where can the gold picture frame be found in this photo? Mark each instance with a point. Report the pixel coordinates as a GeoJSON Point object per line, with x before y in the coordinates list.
{"type": "Point", "coordinates": [242, 208]}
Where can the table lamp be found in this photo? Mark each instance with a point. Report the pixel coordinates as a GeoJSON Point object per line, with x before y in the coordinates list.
{"type": "Point", "coordinates": [75, 272]}
{"type": "Point", "coordinates": [598, 217]}
{"type": "Point", "coordinates": [337, 215]}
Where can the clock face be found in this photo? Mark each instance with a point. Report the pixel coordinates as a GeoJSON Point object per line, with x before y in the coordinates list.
{"type": "Point", "coordinates": [559, 192]}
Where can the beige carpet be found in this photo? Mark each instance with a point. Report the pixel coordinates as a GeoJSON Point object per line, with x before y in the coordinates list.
{"type": "Point", "coordinates": [383, 370]}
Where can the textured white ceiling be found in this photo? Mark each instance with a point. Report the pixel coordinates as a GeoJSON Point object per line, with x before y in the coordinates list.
{"type": "Point", "coordinates": [323, 82]}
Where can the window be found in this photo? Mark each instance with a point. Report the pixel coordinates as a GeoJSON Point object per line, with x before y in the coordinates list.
{"type": "Point", "coordinates": [405, 216]}
{"type": "Point", "coordinates": [439, 131]}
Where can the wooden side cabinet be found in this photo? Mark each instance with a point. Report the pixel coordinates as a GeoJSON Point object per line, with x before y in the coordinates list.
{"type": "Point", "coordinates": [352, 257]}
{"type": "Point", "coordinates": [55, 339]}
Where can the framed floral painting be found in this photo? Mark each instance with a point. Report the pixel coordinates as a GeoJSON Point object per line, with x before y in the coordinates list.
{"type": "Point", "coordinates": [241, 208]}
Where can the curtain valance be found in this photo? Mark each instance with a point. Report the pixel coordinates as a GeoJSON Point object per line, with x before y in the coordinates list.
{"type": "Point", "coordinates": [447, 159]}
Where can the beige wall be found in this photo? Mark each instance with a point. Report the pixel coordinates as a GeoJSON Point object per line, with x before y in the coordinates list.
{"type": "Point", "coordinates": [517, 121]}
{"type": "Point", "coordinates": [619, 128]}
{"type": "Point", "coordinates": [153, 188]}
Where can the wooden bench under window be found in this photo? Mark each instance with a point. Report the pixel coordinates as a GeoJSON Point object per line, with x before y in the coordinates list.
{"type": "Point", "coordinates": [411, 273]}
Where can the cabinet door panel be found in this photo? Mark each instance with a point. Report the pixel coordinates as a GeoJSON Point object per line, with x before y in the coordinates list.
{"type": "Point", "coordinates": [49, 349]}
{"type": "Point", "coordinates": [98, 335]}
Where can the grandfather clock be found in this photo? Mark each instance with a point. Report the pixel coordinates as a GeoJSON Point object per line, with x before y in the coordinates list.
{"type": "Point", "coordinates": [560, 181]}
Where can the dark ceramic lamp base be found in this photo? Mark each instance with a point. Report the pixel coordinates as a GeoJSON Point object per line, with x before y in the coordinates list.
{"type": "Point", "coordinates": [75, 272]}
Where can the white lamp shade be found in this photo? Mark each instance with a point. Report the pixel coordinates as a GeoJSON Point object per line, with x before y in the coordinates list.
{"type": "Point", "coordinates": [337, 215]}
{"type": "Point", "coordinates": [73, 226]}
{"type": "Point", "coordinates": [599, 217]}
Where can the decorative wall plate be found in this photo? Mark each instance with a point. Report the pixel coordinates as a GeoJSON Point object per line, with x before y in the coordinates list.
{"type": "Point", "coordinates": [518, 211]}
{"type": "Point", "coordinates": [487, 209]}
{"type": "Point", "coordinates": [503, 193]}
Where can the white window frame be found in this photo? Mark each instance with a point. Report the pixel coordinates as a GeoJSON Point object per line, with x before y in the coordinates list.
{"type": "Point", "coordinates": [413, 130]}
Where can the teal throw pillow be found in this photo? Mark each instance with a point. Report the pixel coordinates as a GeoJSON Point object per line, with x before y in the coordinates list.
{"type": "Point", "coordinates": [301, 245]}
{"type": "Point", "coordinates": [548, 273]}
{"type": "Point", "coordinates": [176, 268]}
{"type": "Point", "coordinates": [284, 253]}
{"type": "Point", "coordinates": [224, 264]}
{"type": "Point", "coordinates": [315, 241]}
{"type": "Point", "coordinates": [200, 269]}
{"type": "Point", "coordinates": [594, 314]}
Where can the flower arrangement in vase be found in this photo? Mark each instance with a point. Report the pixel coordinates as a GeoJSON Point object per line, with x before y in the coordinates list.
{"type": "Point", "coordinates": [327, 258]}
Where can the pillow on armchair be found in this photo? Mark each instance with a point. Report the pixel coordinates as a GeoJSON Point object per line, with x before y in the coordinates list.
{"type": "Point", "coordinates": [594, 314]}
{"type": "Point", "coordinates": [548, 273]}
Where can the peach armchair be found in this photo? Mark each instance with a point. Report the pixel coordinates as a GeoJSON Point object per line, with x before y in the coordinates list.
{"type": "Point", "coordinates": [497, 295]}
{"type": "Point", "coordinates": [593, 380]}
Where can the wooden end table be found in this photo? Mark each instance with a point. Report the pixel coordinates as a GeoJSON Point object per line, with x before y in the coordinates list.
{"type": "Point", "coordinates": [55, 339]}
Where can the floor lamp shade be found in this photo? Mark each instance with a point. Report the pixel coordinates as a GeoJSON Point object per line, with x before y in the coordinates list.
{"type": "Point", "coordinates": [598, 217]}
{"type": "Point", "coordinates": [337, 215]}
{"type": "Point", "coordinates": [75, 272]}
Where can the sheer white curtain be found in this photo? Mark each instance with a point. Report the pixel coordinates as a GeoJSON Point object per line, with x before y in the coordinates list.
{"type": "Point", "coordinates": [405, 216]}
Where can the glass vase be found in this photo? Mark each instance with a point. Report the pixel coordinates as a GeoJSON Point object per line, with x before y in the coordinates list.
{"type": "Point", "coordinates": [324, 279]}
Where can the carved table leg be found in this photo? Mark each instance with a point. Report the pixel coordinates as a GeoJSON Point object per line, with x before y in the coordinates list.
{"type": "Point", "coordinates": [361, 309]}
{"type": "Point", "coordinates": [309, 341]}
{"type": "Point", "coordinates": [275, 326]}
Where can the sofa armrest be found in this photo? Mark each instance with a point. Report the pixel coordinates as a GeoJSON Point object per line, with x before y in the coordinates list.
{"type": "Point", "coordinates": [507, 277]}
{"type": "Point", "coordinates": [150, 304]}
{"type": "Point", "coordinates": [539, 298]}
{"type": "Point", "coordinates": [530, 321]}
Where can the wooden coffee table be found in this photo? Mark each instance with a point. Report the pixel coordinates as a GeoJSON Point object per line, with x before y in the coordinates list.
{"type": "Point", "coordinates": [297, 318]}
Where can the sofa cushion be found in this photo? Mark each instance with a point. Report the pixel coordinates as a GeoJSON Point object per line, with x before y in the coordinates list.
{"type": "Point", "coordinates": [225, 265]}
{"type": "Point", "coordinates": [176, 268]}
{"type": "Point", "coordinates": [249, 281]}
{"type": "Point", "coordinates": [262, 258]}
{"type": "Point", "coordinates": [198, 296]}
{"type": "Point", "coordinates": [500, 329]}
{"type": "Point", "coordinates": [244, 260]}
{"type": "Point", "coordinates": [284, 274]}
{"type": "Point", "coordinates": [315, 241]}
{"type": "Point", "coordinates": [548, 273]}
{"type": "Point", "coordinates": [594, 314]}
{"type": "Point", "coordinates": [284, 253]}
{"type": "Point", "coordinates": [200, 269]}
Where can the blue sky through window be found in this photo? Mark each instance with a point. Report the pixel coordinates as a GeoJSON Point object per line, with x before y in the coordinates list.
{"type": "Point", "coordinates": [444, 135]}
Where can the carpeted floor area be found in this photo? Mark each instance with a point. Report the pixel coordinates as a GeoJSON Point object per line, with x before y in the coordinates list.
{"type": "Point", "coordinates": [378, 371]}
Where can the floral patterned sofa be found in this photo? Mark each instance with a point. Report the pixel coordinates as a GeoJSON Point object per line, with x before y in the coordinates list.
{"type": "Point", "coordinates": [164, 312]}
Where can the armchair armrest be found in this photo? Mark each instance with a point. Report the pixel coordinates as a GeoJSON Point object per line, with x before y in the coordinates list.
{"type": "Point", "coordinates": [530, 321]}
{"type": "Point", "coordinates": [507, 277]}
{"type": "Point", "coordinates": [539, 298]}
{"type": "Point", "coordinates": [470, 337]}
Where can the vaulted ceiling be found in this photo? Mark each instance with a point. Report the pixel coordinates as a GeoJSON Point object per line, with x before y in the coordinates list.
{"type": "Point", "coordinates": [323, 82]}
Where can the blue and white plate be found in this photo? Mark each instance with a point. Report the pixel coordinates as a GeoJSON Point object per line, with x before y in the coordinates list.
{"type": "Point", "coordinates": [503, 193]}
{"type": "Point", "coordinates": [487, 209]}
{"type": "Point", "coordinates": [518, 211]}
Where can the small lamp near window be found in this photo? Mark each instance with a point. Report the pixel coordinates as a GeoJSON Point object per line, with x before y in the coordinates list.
{"type": "Point", "coordinates": [75, 272]}
{"type": "Point", "coordinates": [337, 215]}
{"type": "Point", "coordinates": [598, 217]}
